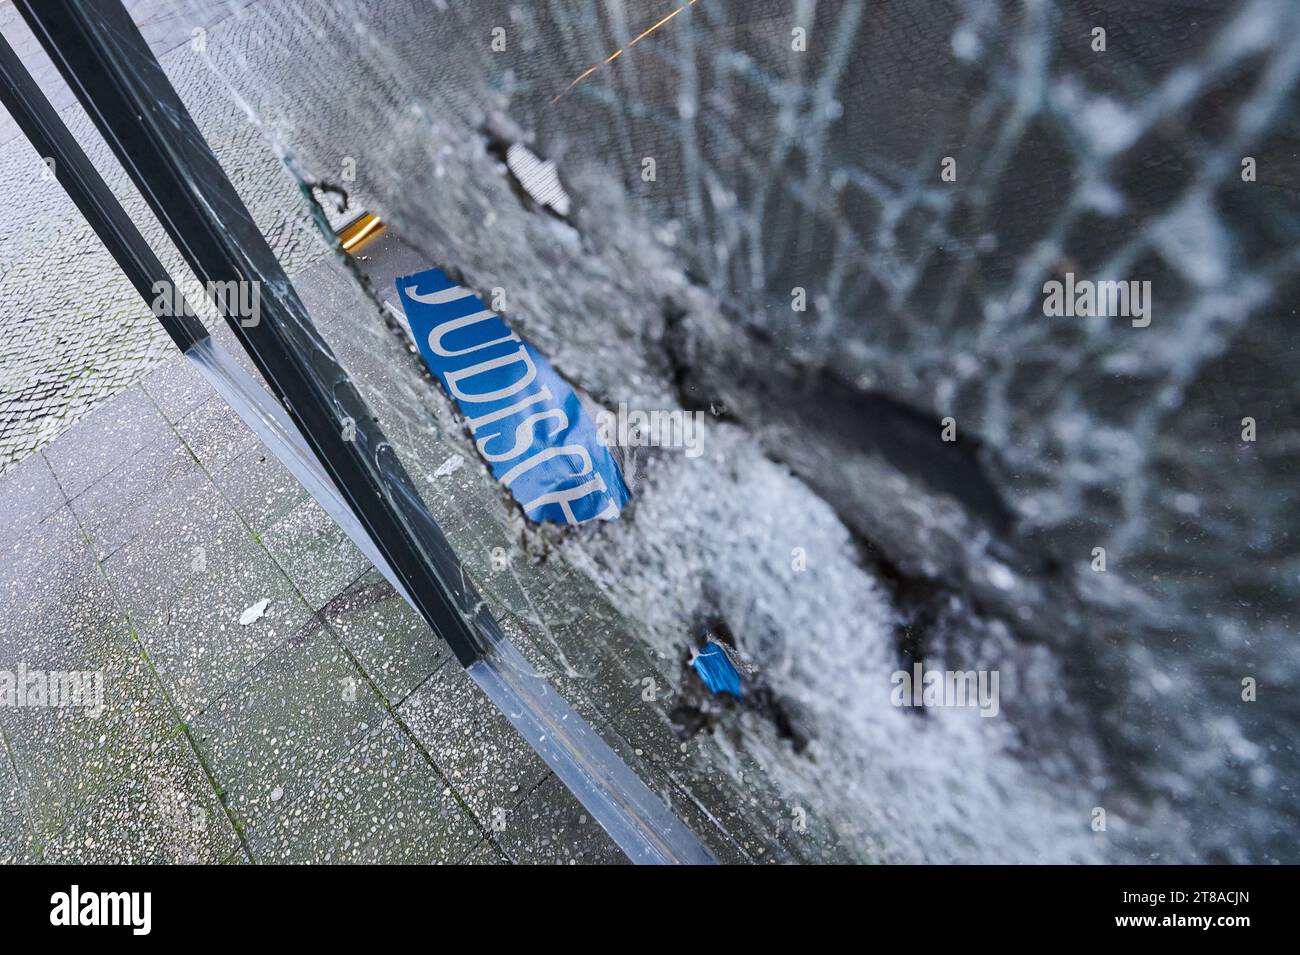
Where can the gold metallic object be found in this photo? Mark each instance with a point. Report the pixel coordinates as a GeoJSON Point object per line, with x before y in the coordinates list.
{"type": "Point", "coordinates": [366, 226]}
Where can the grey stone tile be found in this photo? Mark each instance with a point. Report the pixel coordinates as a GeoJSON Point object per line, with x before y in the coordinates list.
{"type": "Point", "coordinates": [229, 342]}
{"type": "Point", "coordinates": [177, 388]}
{"type": "Point", "coordinates": [315, 553]}
{"type": "Point", "coordinates": [332, 297]}
{"type": "Point", "coordinates": [474, 758]}
{"type": "Point", "coordinates": [384, 803]}
{"type": "Point", "coordinates": [105, 439]}
{"type": "Point", "coordinates": [721, 844]}
{"type": "Point", "coordinates": [271, 736]}
{"type": "Point", "coordinates": [43, 566]}
{"type": "Point", "coordinates": [261, 488]}
{"type": "Point", "coordinates": [166, 813]}
{"type": "Point", "coordinates": [188, 527]}
{"type": "Point", "coordinates": [392, 643]}
{"type": "Point", "coordinates": [17, 840]}
{"type": "Point", "coordinates": [577, 678]}
{"type": "Point", "coordinates": [215, 434]}
{"type": "Point", "coordinates": [485, 854]}
{"type": "Point", "coordinates": [552, 828]}
{"type": "Point", "coordinates": [472, 743]}
{"type": "Point", "coordinates": [67, 755]}
{"type": "Point", "coordinates": [199, 646]}
{"type": "Point", "coordinates": [117, 506]}
{"type": "Point", "coordinates": [28, 494]}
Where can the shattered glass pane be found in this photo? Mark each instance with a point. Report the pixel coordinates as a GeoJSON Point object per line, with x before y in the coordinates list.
{"type": "Point", "coordinates": [830, 228]}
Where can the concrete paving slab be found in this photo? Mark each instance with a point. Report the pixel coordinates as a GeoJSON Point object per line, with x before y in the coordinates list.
{"type": "Point", "coordinates": [585, 698]}
{"type": "Point", "coordinates": [485, 854]}
{"type": "Point", "coordinates": [704, 766]}
{"type": "Point", "coordinates": [300, 711]}
{"type": "Point", "coordinates": [66, 755]}
{"type": "Point", "coordinates": [261, 488]}
{"type": "Point", "coordinates": [578, 628]}
{"type": "Point", "coordinates": [472, 743]}
{"type": "Point", "coordinates": [318, 557]}
{"type": "Point", "coordinates": [201, 647]}
{"type": "Point", "coordinates": [552, 828]}
{"type": "Point", "coordinates": [165, 813]}
{"type": "Point", "coordinates": [177, 388]}
{"type": "Point", "coordinates": [30, 494]}
{"type": "Point", "coordinates": [117, 506]}
{"type": "Point", "coordinates": [105, 439]}
{"type": "Point", "coordinates": [392, 643]}
{"type": "Point", "coordinates": [188, 527]}
{"type": "Point", "coordinates": [44, 565]}
{"type": "Point", "coordinates": [17, 839]}
{"type": "Point", "coordinates": [215, 434]}
{"type": "Point", "coordinates": [383, 803]}
{"type": "Point", "coordinates": [225, 336]}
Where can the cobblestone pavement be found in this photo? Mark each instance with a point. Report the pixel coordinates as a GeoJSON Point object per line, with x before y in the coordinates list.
{"type": "Point", "coordinates": [73, 333]}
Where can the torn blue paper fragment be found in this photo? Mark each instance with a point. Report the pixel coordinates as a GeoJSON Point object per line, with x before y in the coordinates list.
{"type": "Point", "coordinates": [525, 419]}
{"type": "Point", "coordinates": [716, 669]}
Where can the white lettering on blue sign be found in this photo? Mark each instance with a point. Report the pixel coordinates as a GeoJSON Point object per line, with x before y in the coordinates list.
{"type": "Point", "coordinates": [525, 419]}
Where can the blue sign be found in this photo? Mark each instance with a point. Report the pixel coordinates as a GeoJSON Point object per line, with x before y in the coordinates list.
{"type": "Point", "coordinates": [525, 419]}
